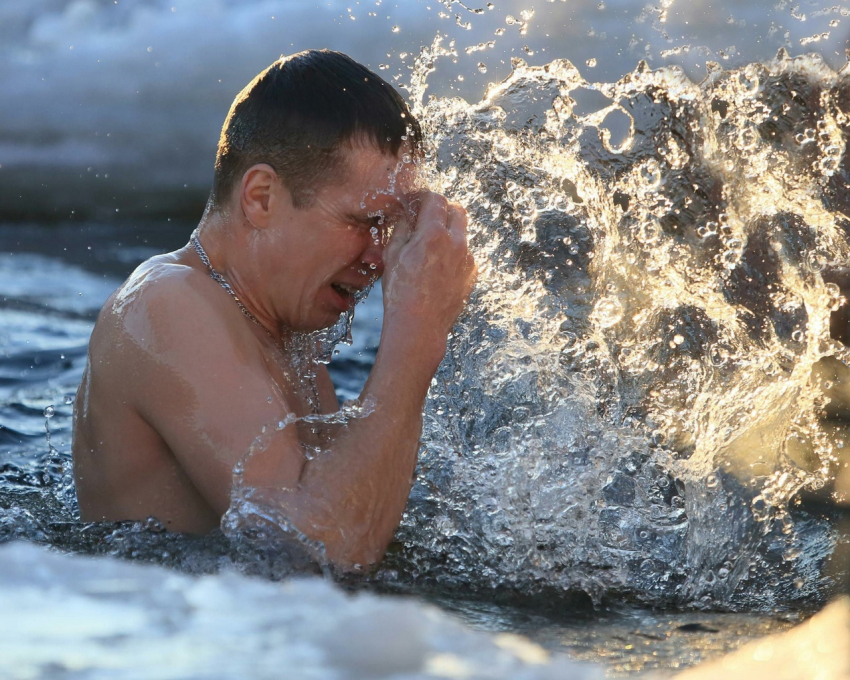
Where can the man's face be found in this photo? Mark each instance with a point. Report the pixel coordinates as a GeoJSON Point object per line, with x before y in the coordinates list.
{"type": "Point", "coordinates": [326, 253]}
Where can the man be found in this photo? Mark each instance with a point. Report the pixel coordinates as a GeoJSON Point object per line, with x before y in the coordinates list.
{"type": "Point", "coordinates": [202, 349]}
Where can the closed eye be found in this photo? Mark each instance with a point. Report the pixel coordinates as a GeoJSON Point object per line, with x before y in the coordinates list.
{"type": "Point", "coordinates": [365, 220]}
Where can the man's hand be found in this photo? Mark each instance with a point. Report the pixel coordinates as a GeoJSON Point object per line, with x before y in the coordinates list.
{"type": "Point", "coordinates": [428, 275]}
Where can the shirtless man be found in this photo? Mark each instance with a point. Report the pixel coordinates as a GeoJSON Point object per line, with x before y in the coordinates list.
{"type": "Point", "coordinates": [197, 351]}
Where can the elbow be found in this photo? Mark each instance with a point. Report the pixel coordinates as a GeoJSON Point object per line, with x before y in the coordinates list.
{"type": "Point", "coordinates": [354, 534]}
{"type": "Point", "coordinates": [356, 553]}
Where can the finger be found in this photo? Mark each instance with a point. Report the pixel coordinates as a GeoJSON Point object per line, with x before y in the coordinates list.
{"type": "Point", "coordinates": [402, 231]}
{"type": "Point", "coordinates": [457, 222]}
{"type": "Point", "coordinates": [433, 214]}
{"type": "Point", "coordinates": [412, 202]}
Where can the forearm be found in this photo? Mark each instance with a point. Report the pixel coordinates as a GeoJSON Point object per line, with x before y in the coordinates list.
{"type": "Point", "coordinates": [352, 496]}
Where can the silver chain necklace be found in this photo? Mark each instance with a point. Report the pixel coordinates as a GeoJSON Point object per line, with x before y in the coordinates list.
{"type": "Point", "coordinates": [220, 280]}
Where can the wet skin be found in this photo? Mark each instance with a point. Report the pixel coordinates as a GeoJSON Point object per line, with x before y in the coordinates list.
{"type": "Point", "coordinates": [179, 382]}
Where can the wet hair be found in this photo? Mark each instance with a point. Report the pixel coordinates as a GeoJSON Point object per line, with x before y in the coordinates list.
{"type": "Point", "coordinates": [299, 113]}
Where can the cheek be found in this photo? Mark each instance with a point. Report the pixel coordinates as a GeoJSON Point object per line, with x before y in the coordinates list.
{"type": "Point", "coordinates": [350, 251]}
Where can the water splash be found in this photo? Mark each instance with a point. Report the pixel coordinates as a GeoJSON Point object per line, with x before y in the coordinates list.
{"type": "Point", "coordinates": [628, 406]}
{"type": "Point", "coordinates": [628, 403]}
{"type": "Point", "coordinates": [49, 412]}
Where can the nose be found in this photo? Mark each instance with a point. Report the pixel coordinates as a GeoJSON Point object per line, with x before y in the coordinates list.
{"type": "Point", "coordinates": [373, 257]}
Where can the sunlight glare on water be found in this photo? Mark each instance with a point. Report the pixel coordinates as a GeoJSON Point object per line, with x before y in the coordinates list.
{"type": "Point", "coordinates": [628, 405]}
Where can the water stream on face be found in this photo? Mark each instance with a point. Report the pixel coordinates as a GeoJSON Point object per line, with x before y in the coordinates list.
{"type": "Point", "coordinates": [646, 399]}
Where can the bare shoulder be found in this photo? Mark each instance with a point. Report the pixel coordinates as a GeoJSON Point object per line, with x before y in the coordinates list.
{"type": "Point", "coordinates": [162, 307]}
{"type": "Point", "coordinates": [171, 349]}
{"type": "Point", "coordinates": [168, 328]}
{"type": "Point", "coordinates": [160, 282]}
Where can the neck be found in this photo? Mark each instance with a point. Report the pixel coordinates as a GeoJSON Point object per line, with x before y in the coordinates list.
{"type": "Point", "coordinates": [232, 250]}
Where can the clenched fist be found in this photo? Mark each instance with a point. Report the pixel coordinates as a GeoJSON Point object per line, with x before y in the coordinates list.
{"type": "Point", "coordinates": [428, 275]}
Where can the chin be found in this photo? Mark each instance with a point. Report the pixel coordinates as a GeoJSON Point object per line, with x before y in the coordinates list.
{"type": "Point", "coordinates": [319, 324]}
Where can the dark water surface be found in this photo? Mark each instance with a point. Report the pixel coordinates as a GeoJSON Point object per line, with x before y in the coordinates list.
{"type": "Point", "coordinates": [53, 279]}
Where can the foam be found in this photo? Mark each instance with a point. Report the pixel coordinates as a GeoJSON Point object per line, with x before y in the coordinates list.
{"type": "Point", "coordinates": [91, 616]}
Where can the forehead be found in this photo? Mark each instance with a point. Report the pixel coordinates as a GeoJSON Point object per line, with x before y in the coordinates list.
{"type": "Point", "coordinates": [368, 171]}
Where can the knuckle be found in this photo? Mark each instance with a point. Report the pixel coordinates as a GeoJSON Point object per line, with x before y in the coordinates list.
{"type": "Point", "coordinates": [459, 218]}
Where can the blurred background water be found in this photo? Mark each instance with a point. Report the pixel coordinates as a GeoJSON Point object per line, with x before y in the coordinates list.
{"type": "Point", "coordinates": [116, 106]}
{"type": "Point", "coordinates": [552, 473]}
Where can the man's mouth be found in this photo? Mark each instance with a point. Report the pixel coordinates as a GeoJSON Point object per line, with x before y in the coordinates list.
{"type": "Point", "coordinates": [345, 290]}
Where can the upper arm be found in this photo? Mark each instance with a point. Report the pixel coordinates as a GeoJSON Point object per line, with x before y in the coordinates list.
{"type": "Point", "coordinates": [200, 381]}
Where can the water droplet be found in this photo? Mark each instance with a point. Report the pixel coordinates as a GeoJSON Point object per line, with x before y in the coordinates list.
{"type": "Point", "coordinates": [649, 231]}
{"type": "Point", "coordinates": [805, 137]}
{"type": "Point", "coordinates": [760, 508]}
{"type": "Point", "coordinates": [395, 29]}
{"type": "Point", "coordinates": [650, 174]}
{"type": "Point", "coordinates": [748, 136]}
{"type": "Point", "coordinates": [49, 412]}
{"type": "Point", "coordinates": [482, 67]}
{"type": "Point", "coordinates": [68, 399]}
{"type": "Point", "coordinates": [730, 258]}
{"type": "Point", "coordinates": [829, 165]}
{"type": "Point", "coordinates": [816, 261]}
{"type": "Point", "coordinates": [608, 311]}
{"type": "Point", "coordinates": [707, 229]}
{"type": "Point", "coordinates": [153, 525]}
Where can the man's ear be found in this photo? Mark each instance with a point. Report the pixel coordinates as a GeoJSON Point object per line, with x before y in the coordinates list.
{"type": "Point", "coordinates": [260, 189]}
